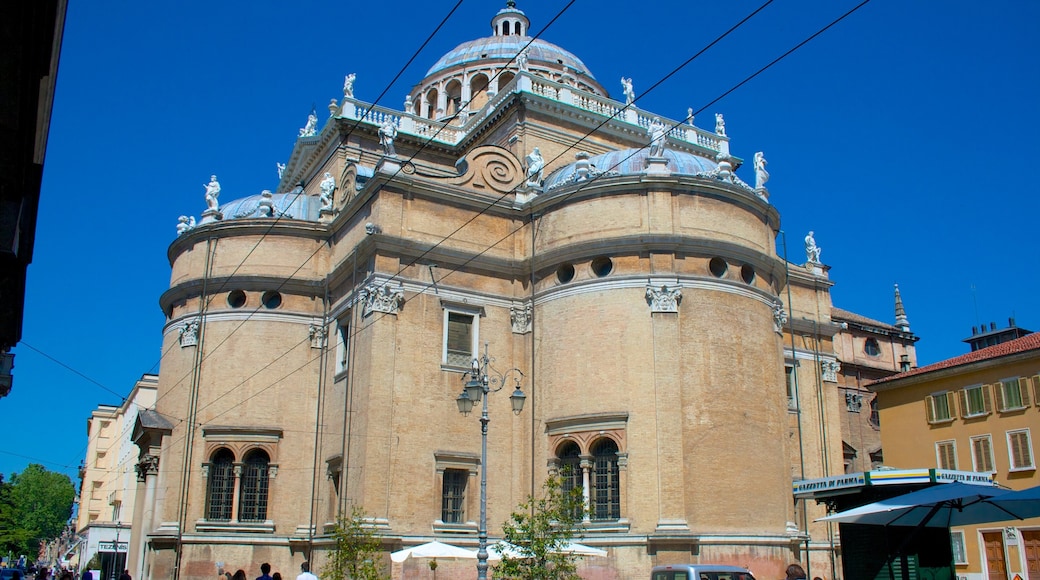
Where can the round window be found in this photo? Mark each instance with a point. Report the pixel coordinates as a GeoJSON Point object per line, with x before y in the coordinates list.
{"type": "Point", "coordinates": [236, 299]}
{"type": "Point", "coordinates": [565, 273]}
{"type": "Point", "coordinates": [747, 273]}
{"type": "Point", "coordinates": [871, 347]}
{"type": "Point", "coordinates": [602, 266]}
{"type": "Point", "coordinates": [272, 299]}
{"type": "Point", "coordinates": [718, 267]}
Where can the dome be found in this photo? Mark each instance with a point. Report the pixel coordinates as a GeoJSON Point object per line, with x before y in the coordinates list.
{"type": "Point", "coordinates": [507, 47]}
{"type": "Point", "coordinates": [290, 205]}
{"type": "Point", "coordinates": [631, 162]}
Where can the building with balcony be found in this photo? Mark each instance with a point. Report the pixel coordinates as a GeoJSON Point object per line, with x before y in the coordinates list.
{"type": "Point", "coordinates": [317, 336]}
{"type": "Point", "coordinates": [974, 412]}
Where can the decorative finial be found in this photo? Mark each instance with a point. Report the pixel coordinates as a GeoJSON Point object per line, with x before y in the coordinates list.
{"type": "Point", "coordinates": [901, 320]}
{"type": "Point", "coordinates": [510, 4]}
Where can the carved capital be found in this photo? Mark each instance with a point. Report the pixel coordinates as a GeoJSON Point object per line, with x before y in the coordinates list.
{"type": "Point", "coordinates": [148, 465]}
{"type": "Point", "coordinates": [829, 370]}
{"type": "Point", "coordinates": [663, 299]}
{"type": "Point", "coordinates": [779, 317]}
{"type": "Point", "coordinates": [520, 316]}
{"type": "Point", "coordinates": [318, 335]}
{"type": "Point", "coordinates": [381, 298]}
{"type": "Point", "coordinates": [189, 332]}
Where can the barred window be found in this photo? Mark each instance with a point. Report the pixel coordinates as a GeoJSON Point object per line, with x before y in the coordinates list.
{"type": "Point", "coordinates": [570, 468]}
{"type": "Point", "coordinates": [453, 496]}
{"type": "Point", "coordinates": [220, 489]}
{"type": "Point", "coordinates": [606, 496]}
{"type": "Point", "coordinates": [253, 498]}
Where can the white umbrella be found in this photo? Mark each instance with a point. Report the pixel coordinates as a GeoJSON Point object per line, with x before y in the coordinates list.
{"type": "Point", "coordinates": [939, 506]}
{"type": "Point", "coordinates": [504, 548]}
{"type": "Point", "coordinates": [432, 550]}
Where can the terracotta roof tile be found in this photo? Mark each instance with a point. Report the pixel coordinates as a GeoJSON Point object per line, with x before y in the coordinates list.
{"type": "Point", "coordinates": [842, 314]}
{"type": "Point", "coordinates": [1026, 343]}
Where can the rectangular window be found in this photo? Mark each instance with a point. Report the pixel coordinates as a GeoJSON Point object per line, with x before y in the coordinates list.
{"type": "Point", "coordinates": [939, 407]}
{"type": "Point", "coordinates": [95, 490]}
{"type": "Point", "coordinates": [792, 401]}
{"type": "Point", "coordinates": [1020, 450]}
{"type": "Point", "coordinates": [460, 338]}
{"type": "Point", "coordinates": [946, 454]}
{"type": "Point", "coordinates": [453, 496]}
{"type": "Point", "coordinates": [342, 346]}
{"type": "Point", "coordinates": [1012, 394]}
{"type": "Point", "coordinates": [960, 554]}
{"type": "Point", "coordinates": [982, 453]}
{"type": "Point", "coordinates": [976, 401]}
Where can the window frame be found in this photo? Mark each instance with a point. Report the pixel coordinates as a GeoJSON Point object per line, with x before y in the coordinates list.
{"type": "Point", "coordinates": [254, 494]}
{"type": "Point", "coordinates": [939, 457]}
{"type": "Point", "coordinates": [605, 481]}
{"type": "Point", "coordinates": [967, 412]}
{"type": "Point", "coordinates": [454, 504]}
{"type": "Point", "coordinates": [960, 557]}
{"type": "Point", "coordinates": [1013, 468]}
{"type": "Point", "coordinates": [222, 472]}
{"type": "Point", "coordinates": [463, 462]}
{"type": "Point", "coordinates": [792, 399]}
{"type": "Point", "coordinates": [989, 451]}
{"type": "Point", "coordinates": [342, 364]}
{"type": "Point", "coordinates": [475, 313]}
{"type": "Point", "coordinates": [1017, 385]}
{"type": "Point", "coordinates": [931, 408]}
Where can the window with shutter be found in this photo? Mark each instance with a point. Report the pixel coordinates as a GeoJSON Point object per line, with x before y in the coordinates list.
{"type": "Point", "coordinates": [1020, 450]}
{"type": "Point", "coordinates": [976, 401]}
{"type": "Point", "coordinates": [1035, 379]}
{"type": "Point", "coordinates": [982, 453]}
{"type": "Point", "coordinates": [938, 407]}
{"type": "Point", "coordinates": [946, 454]}
{"type": "Point", "coordinates": [461, 335]}
{"type": "Point", "coordinates": [1010, 395]}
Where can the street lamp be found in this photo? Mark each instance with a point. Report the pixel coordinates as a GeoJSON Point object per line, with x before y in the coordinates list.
{"type": "Point", "coordinates": [478, 387]}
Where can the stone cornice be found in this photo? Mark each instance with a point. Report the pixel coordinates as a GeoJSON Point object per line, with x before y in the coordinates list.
{"type": "Point", "coordinates": [250, 282]}
{"type": "Point", "coordinates": [282, 227]}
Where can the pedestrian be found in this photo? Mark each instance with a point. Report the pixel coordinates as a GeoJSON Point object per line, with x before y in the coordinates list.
{"type": "Point", "coordinates": [86, 575]}
{"type": "Point", "coordinates": [795, 572]}
{"type": "Point", "coordinates": [277, 576]}
{"type": "Point", "coordinates": [125, 575]}
{"type": "Point", "coordinates": [305, 572]}
{"type": "Point", "coordinates": [239, 575]}
{"type": "Point", "coordinates": [265, 572]}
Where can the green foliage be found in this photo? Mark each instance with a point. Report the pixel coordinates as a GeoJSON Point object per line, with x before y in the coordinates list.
{"type": "Point", "coordinates": [539, 529]}
{"type": "Point", "coordinates": [34, 507]}
{"type": "Point", "coordinates": [356, 555]}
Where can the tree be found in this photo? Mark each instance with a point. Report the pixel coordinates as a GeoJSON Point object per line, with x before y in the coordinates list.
{"type": "Point", "coordinates": [34, 507]}
{"type": "Point", "coordinates": [539, 530]}
{"type": "Point", "coordinates": [356, 553]}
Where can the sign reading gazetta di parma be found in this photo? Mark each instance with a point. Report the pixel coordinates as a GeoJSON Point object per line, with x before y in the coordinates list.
{"type": "Point", "coordinates": [851, 481]}
{"type": "Point", "coordinates": [112, 546]}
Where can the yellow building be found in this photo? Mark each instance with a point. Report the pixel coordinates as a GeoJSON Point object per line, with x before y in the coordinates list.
{"type": "Point", "coordinates": [975, 412]}
{"type": "Point", "coordinates": [108, 479]}
{"type": "Point", "coordinates": [317, 336]}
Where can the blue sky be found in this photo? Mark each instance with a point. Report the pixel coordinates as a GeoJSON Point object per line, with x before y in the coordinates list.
{"type": "Point", "coordinates": [904, 137]}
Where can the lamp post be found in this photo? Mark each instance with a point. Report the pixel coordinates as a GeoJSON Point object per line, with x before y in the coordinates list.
{"type": "Point", "coordinates": [478, 387]}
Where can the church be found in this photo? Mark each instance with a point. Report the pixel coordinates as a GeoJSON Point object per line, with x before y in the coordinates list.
{"type": "Point", "coordinates": [605, 262]}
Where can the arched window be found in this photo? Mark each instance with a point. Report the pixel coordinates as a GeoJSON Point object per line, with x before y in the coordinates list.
{"type": "Point", "coordinates": [454, 94]}
{"type": "Point", "coordinates": [570, 467]}
{"type": "Point", "coordinates": [220, 489]}
{"type": "Point", "coordinates": [516, 27]}
{"type": "Point", "coordinates": [253, 495]}
{"type": "Point", "coordinates": [478, 86]}
{"type": "Point", "coordinates": [605, 494]}
{"type": "Point", "coordinates": [431, 103]}
{"type": "Point", "coordinates": [504, 79]}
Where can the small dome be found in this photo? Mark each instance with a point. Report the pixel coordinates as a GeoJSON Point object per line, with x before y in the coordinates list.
{"type": "Point", "coordinates": [507, 47]}
{"type": "Point", "coordinates": [632, 162]}
{"type": "Point", "coordinates": [286, 205]}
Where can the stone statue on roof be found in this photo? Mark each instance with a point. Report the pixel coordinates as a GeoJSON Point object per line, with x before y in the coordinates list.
{"type": "Point", "coordinates": [185, 223]}
{"type": "Point", "coordinates": [761, 175]}
{"type": "Point", "coordinates": [348, 85]}
{"type": "Point", "coordinates": [387, 134]}
{"type": "Point", "coordinates": [720, 125]}
{"type": "Point", "coordinates": [521, 59]}
{"type": "Point", "coordinates": [311, 128]}
{"type": "Point", "coordinates": [657, 133]}
{"type": "Point", "coordinates": [328, 186]}
{"type": "Point", "coordinates": [535, 168]}
{"type": "Point", "coordinates": [212, 193]}
{"type": "Point", "coordinates": [626, 89]}
{"type": "Point", "coordinates": [812, 251]}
